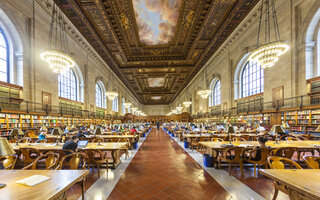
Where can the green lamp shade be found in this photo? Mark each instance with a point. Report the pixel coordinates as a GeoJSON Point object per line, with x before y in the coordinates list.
{"type": "Point", "coordinates": [277, 129]}
{"type": "Point", "coordinates": [16, 132]}
{"type": "Point", "coordinates": [56, 131]}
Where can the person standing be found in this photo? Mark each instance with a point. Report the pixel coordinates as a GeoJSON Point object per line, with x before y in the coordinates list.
{"type": "Point", "coordinates": [158, 125]}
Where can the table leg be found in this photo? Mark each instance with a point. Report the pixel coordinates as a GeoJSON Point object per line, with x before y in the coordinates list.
{"type": "Point", "coordinates": [116, 158]}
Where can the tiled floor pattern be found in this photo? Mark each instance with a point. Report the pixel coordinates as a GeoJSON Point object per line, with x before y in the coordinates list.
{"type": "Point", "coordinates": [163, 170]}
{"type": "Point", "coordinates": [100, 188]}
{"type": "Point", "coordinates": [247, 187]}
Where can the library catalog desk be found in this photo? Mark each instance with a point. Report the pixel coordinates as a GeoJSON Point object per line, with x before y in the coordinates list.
{"type": "Point", "coordinates": [113, 147]}
{"type": "Point", "coordinates": [54, 188]}
{"type": "Point", "coordinates": [300, 183]}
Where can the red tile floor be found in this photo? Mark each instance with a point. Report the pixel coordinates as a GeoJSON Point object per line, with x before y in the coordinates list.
{"type": "Point", "coordinates": [163, 170]}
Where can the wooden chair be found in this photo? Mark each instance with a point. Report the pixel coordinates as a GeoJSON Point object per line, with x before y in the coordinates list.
{"type": "Point", "coordinates": [8, 162]}
{"type": "Point", "coordinates": [291, 139]}
{"type": "Point", "coordinates": [97, 140]}
{"type": "Point", "coordinates": [232, 155]}
{"type": "Point", "coordinates": [312, 161]}
{"type": "Point", "coordinates": [238, 139]}
{"type": "Point", "coordinates": [50, 159]}
{"type": "Point", "coordinates": [217, 140]}
{"type": "Point", "coordinates": [24, 140]}
{"type": "Point", "coordinates": [278, 163]}
{"type": "Point", "coordinates": [262, 161]}
{"type": "Point", "coordinates": [29, 155]}
{"type": "Point", "coordinates": [72, 161]}
{"type": "Point", "coordinates": [286, 152]}
{"type": "Point", "coordinates": [96, 157]}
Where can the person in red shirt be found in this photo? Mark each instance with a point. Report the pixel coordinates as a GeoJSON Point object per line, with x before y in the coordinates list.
{"type": "Point", "coordinates": [133, 130]}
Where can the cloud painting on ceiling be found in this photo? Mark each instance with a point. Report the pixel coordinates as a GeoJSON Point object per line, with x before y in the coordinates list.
{"type": "Point", "coordinates": [156, 20]}
{"type": "Point", "coordinates": [155, 82]}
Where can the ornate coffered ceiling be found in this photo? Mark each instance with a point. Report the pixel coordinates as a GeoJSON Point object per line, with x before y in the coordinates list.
{"type": "Point", "coordinates": [110, 26]}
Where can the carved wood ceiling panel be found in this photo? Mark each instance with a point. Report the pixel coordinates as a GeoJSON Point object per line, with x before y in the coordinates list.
{"type": "Point", "coordinates": [110, 27]}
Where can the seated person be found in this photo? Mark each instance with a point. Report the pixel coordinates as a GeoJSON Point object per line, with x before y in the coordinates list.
{"type": "Point", "coordinates": [71, 144]}
{"type": "Point", "coordinates": [196, 129]}
{"type": "Point", "coordinates": [256, 151]}
{"type": "Point", "coordinates": [42, 135]}
{"type": "Point", "coordinates": [81, 135]}
{"type": "Point", "coordinates": [63, 137]}
{"type": "Point", "coordinates": [261, 129]}
{"type": "Point", "coordinates": [133, 130]}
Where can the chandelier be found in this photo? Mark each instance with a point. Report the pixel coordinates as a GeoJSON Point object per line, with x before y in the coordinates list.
{"type": "Point", "coordinates": [134, 109]}
{"type": "Point", "coordinates": [127, 105]}
{"type": "Point", "coordinates": [112, 95]}
{"type": "Point", "coordinates": [187, 103]}
{"type": "Point", "coordinates": [268, 54]}
{"type": "Point", "coordinates": [204, 93]}
{"type": "Point", "coordinates": [57, 54]}
{"type": "Point", "coordinates": [179, 108]}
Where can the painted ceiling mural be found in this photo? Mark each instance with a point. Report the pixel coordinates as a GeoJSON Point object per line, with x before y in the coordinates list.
{"type": "Point", "coordinates": [156, 47]}
{"type": "Point", "coordinates": [156, 20]}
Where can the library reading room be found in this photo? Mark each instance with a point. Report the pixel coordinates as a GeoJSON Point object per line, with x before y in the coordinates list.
{"type": "Point", "coordinates": [159, 99]}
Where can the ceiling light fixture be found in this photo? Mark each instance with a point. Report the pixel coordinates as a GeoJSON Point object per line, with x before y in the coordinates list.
{"type": "Point", "coordinates": [187, 103]}
{"type": "Point", "coordinates": [111, 95]}
{"type": "Point", "coordinates": [56, 55]}
{"type": "Point", "coordinates": [268, 54]}
{"type": "Point", "coordinates": [127, 104]}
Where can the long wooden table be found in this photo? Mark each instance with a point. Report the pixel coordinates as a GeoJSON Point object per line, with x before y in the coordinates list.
{"type": "Point", "coordinates": [54, 188]}
{"type": "Point", "coordinates": [113, 147]}
{"type": "Point", "coordinates": [305, 144]}
{"type": "Point", "coordinates": [300, 183]}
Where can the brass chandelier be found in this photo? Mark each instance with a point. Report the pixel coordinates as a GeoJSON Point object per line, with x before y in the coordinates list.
{"type": "Point", "coordinates": [268, 54]}
{"type": "Point", "coordinates": [56, 55]}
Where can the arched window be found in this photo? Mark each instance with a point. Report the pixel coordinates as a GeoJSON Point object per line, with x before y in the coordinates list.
{"type": "Point", "coordinates": [215, 96]}
{"type": "Point", "coordinates": [251, 79]}
{"type": "Point", "coordinates": [4, 57]}
{"type": "Point", "coordinates": [312, 42]}
{"type": "Point", "coordinates": [122, 106]}
{"type": "Point", "coordinates": [115, 104]}
{"type": "Point", "coordinates": [100, 97]}
{"type": "Point", "coordinates": [68, 85]}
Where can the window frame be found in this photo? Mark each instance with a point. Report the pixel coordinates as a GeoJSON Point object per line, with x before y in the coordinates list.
{"type": "Point", "coordinates": [7, 49]}
{"type": "Point", "coordinates": [251, 79]}
{"type": "Point", "coordinates": [68, 87]}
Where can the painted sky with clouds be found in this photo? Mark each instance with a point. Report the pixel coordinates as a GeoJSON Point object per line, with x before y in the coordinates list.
{"type": "Point", "coordinates": [156, 20]}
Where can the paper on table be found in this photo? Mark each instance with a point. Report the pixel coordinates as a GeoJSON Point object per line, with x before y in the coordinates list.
{"type": "Point", "coordinates": [33, 180]}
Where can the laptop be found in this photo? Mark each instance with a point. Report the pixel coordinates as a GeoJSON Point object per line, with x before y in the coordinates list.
{"type": "Point", "coordinates": [82, 143]}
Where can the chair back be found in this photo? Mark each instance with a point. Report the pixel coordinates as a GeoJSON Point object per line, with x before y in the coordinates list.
{"type": "Point", "coordinates": [30, 154]}
{"type": "Point", "coordinates": [217, 140]}
{"type": "Point", "coordinates": [279, 162]}
{"type": "Point", "coordinates": [291, 139]}
{"type": "Point", "coordinates": [286, 152]}
{"type": "Point", "coordinates": [98, 139]}
{"type": "Point", "coordinates": [312, 161]}
{"type": "Point", "coordinates": [8, 162]}
{"type": "Point", "coordinates": [73, 161]}
{"type": "Point", "coordinates": [238, 139]}
{"type": "Point", "coordinates": [50, 159]}
{"type": "Point", "coordinates": [94, 155]}
{"type": "Point", "coordinates": [233, 154]}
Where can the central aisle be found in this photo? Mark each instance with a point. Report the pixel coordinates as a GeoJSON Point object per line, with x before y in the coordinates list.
{"type": "Point", "coordinates": [161, 169]}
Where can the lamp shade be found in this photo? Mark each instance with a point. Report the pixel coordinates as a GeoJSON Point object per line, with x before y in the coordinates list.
{"type": "Point", "coordinates": [318, 129]}
{"type": "Point", "coordinates": [98, 131]}
{"type": "Point", "coordinates": [277, 129]}
{"type": "Point", "coordinates": [230, 129]}
{"type": "Point", "coordinates": [16, 132]}
{"type": "Point", "coordinates": [285, 125]}
{"type": "Point", "coordinates": [5, 148]}
{"type": "Point", "coordinates": [56, 131]}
